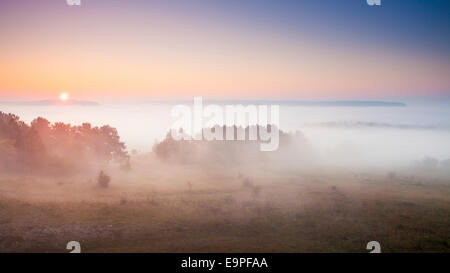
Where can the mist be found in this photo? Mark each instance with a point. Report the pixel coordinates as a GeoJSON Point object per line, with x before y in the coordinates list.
{"type": "Point", "coordinates": [145, 192]}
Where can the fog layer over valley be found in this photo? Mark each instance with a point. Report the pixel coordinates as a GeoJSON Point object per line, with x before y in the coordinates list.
{"type": "Point", "coordinates": [373, 136]}
{"type": "Point", "coordinates": [328, 188]}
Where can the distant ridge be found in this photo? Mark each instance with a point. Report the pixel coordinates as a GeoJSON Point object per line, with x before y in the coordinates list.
{"type": "Point", "coordinates": [337, 103]}
{"type": "Point", "coordinates": [347, 103]}
{"type": "Point", "coordinates": [343, 103]}
{"type": "Point", "coordinates": [369, 124]}
{"type": "Point", "coordinates": [53, 102]}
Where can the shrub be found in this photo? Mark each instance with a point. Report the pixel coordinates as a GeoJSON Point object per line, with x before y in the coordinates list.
{"type": "Point", "coordinates": [249, 185]}
{"type": "Point", "coordinates": [103, 179]}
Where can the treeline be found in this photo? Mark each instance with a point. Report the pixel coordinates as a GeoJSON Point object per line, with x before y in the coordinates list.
{"type": "Point", "coordinates": [293, 149]}
{"type": "Point", "coordinates": [57, 147]}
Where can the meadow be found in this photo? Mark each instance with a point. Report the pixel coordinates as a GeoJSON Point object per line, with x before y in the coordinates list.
{"type": "Point", "coordinates": [190, 209]}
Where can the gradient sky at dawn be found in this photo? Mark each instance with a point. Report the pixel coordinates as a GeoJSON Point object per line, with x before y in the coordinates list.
{"type": "Point", "coordinates": [316, 49]}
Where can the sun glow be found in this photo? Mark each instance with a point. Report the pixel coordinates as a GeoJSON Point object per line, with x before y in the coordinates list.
{"type": "Point", "coordinates": [63, 96]}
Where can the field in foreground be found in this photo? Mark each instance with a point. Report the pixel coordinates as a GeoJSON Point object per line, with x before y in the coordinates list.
{"type": "Point", "coordinates": [331, 212]}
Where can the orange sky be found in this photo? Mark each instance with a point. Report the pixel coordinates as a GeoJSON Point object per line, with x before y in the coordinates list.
{"type": "Point", "coordinates": [134, 54]}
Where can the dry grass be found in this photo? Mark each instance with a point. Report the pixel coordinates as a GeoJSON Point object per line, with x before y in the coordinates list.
{"type": "Point", "coordinates": [297, 213]}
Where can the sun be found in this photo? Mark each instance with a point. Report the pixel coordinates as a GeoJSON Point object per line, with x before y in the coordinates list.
{"type": "Point", "coordinates": [63, 96]}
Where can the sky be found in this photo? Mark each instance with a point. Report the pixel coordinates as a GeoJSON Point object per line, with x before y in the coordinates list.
{"type": "Point", "coordinates": [262, 49]}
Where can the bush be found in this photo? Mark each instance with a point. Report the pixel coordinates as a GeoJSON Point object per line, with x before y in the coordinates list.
{"type": "Point", "coordinates": [429, 163]}
{"type": "Point", "coordinates": [103, 179]}
{"type": "Point", "coordinates": [249, 185]}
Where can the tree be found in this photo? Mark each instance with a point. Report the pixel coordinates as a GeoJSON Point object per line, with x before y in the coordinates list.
{"type": "Point", "coordinates": [42, 145]}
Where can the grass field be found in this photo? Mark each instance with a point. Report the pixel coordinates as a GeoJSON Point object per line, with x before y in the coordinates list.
{"type": "Point", "coordinates": [299, 212]}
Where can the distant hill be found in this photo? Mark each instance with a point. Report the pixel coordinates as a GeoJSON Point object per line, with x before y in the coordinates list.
{"type": "Point", "coordinates": [347, 103]}
{"type": "Point", "coordinates": [337, 103]}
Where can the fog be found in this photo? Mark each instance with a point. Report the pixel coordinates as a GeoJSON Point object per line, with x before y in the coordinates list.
{"type": "Point", "coordinates": [371, 136]}
{"type": "Point", "coordinates": [335, 174]}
